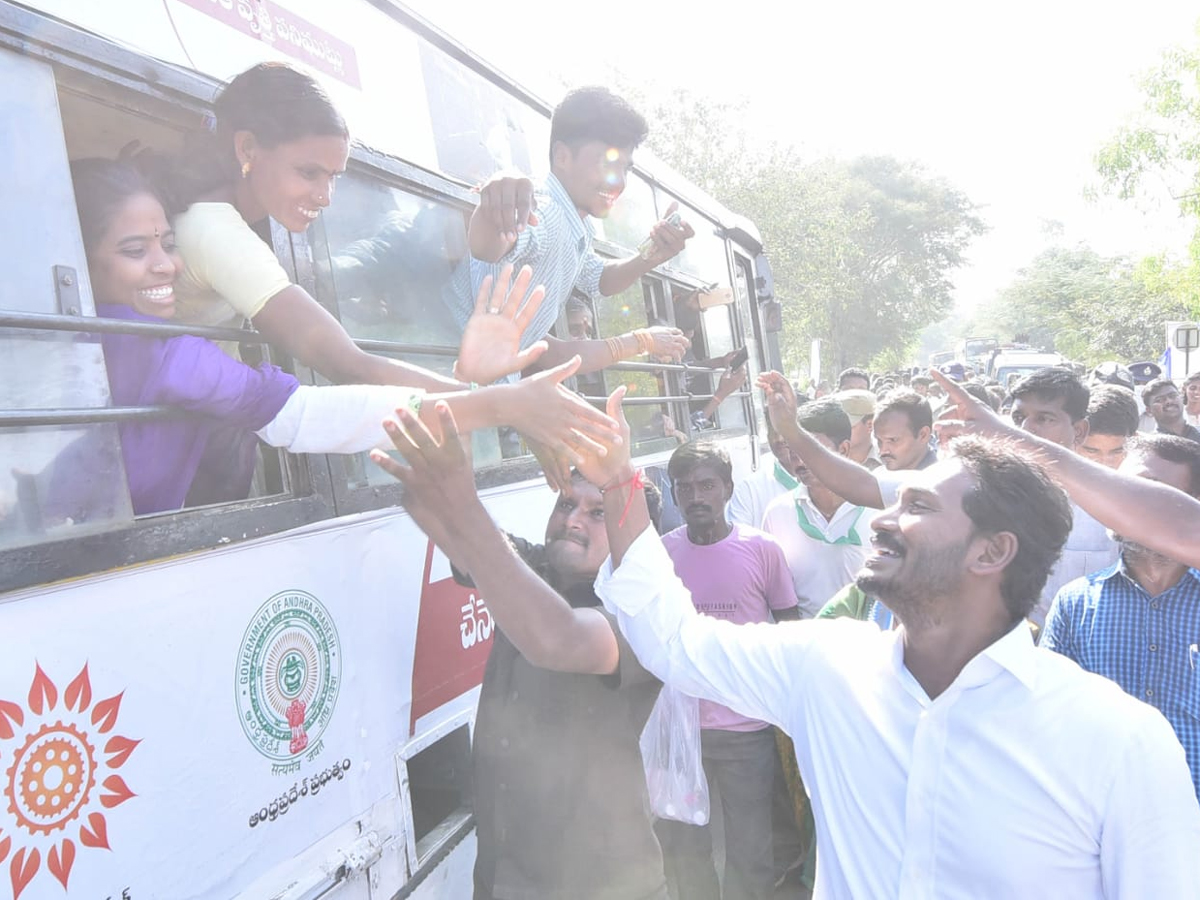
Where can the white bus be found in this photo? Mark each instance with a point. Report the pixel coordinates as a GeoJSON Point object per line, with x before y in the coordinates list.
{"type": "Point", "coordinates": [273, 698]}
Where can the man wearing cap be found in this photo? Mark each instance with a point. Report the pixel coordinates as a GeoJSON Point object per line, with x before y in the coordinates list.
{"type": "Point", "coordinates": [860, 407]}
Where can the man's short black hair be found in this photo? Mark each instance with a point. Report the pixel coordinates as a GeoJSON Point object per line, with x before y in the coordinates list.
{"type": "Point", "coordinates": [1014, 494]}
{"type": "Point", "coordinates": [1173, 449]}
{"type": "Point", "coordinates": [980, 393]}
{"type": "Point", "coordinates": [920, 380]}
{"type": "Point", "coordinates": [700, 453]}
{"type": "Point", "coordinates": [1156, 385]}
{"type": "Point", "coordinates": [1112, 410]}
{"type": "Point", "coordinates": [1055, 383]}
{"type": "Point", "coordinates": [914, 407]}
{"type": "Point", "coordinates": [825, 416]}
{"type": "Point", "coordinates": [596, 114]}
{"type": "Point", "coordinates": [853, 372]}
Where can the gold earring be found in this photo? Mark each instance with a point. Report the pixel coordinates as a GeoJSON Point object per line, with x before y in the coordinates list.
{"type": "Point", "coordinates": [245, 169]}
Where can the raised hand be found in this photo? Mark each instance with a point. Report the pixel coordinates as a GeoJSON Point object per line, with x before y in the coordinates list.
{"type": "Point", "coordinates": [781, 398]}
{"type": "Point", "coordinates": [733, 379]}
{"type": "Point", "coordinates": [669, 343]}
{"type": "Point", "coordinates": [555, 466]}
{"type": "Point", "coordinates": [507, 204]}
{"type": "Point", "coordinates": [439, 485]}
{"type": "Point", "coordinates": [549, 414]}
{"type": "Point", "coordinates": [964, 414]}
{"type": "Point", "coordinates": [608, 462]}
{"type": "Point", "coordinates": [491, 342]}
{"type": "Point", "coordinates": [668, 240]}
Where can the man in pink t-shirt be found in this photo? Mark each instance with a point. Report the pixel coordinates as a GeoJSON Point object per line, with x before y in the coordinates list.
{"type": "Point", "coordinates": [737, 573]}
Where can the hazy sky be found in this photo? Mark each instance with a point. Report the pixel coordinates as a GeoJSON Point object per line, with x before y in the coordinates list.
{"type": "Point", "coordinates": [1009, 102]}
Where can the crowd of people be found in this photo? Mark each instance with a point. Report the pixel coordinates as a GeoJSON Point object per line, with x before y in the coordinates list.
{"type": "Point", "coordinates": [944, 639]}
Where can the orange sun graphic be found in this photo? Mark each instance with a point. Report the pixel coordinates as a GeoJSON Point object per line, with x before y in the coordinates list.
{"type": "Point", "coordinates": [56, 782]}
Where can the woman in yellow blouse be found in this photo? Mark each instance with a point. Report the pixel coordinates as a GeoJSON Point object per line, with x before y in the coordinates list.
{"type": "Point", "coordinates": [276, 149]}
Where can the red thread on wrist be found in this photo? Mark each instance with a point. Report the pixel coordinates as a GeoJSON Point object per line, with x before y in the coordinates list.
{"type": "Point", "coordinates": [636, 483]}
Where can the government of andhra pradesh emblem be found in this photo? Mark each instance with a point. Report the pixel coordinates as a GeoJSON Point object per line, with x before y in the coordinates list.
{"type": "Point", "coordinates": [289, 671]}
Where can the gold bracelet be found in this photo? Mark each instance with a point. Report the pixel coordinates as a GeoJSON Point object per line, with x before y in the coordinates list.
{"type": "Point", "coordinates": [645, 340]}
{"type": "Point", "coordinates": [614, 348]}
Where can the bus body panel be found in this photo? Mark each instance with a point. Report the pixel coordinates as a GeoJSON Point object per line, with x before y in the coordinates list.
{"type": "Point", "coordinates": [233, 707]}
{"type": "Point", "coordinates": [252, 720]}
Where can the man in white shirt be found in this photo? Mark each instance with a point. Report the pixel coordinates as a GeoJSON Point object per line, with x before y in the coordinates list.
{"type": "Point", "coordinates": [776, 475]}
{"type": "Point", "coordinates": [824, 538]}
{"type": "Point", "coordinates": [968, 761]}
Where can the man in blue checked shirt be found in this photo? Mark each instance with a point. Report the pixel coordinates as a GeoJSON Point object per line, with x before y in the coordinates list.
{"type": "Point", "coordinates": [1137, 621]}
{"type": "Point", "coordinates": [593, 135]}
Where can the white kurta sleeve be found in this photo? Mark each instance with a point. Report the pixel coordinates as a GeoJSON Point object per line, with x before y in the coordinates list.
{"type": "Point", "coordinates": [341, 418]}
{"type": "Point", "coordinates": [753, 669]}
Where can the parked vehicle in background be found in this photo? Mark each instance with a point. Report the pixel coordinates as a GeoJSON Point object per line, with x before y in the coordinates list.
{"type": "Point", "coordinates": [1009, 366]}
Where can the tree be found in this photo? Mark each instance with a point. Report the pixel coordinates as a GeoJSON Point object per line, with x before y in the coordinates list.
{"type": "Point", "coordinates": [1166, 139]}
{"type": "Point", "coordinates": [1086, 306]}
{"type": "Point", "coordinates": [862, 251]}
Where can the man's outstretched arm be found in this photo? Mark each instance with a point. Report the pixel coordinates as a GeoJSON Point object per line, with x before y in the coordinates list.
{"type": "Point", "coordinates": [1159, 517]}
{"type": "Point", "coordinates": [749, 668]}
{"type": "Point", "coordinates": [842, 475]}
{"type": "Point", "coordinates": [439, 493]}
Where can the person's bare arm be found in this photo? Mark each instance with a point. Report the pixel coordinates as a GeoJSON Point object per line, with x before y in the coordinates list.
{"type": "Point", "coordinates": [659, 341]}
{"type": "Point", "coordinates": [305, 330]}
{"type": "Point", "coordinates": [1159, 517]}
{"type": "Point", "coordinates": [506, 207]}
{"type": "Point", "coordinates": [439, 493]}
{"type": "Point", "coordinates": [842, 475]}
{"type": "Point", "coordinates": [666, 242]}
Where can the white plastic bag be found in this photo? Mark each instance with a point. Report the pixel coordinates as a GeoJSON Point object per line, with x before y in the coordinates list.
{"type": "Point", "coordinates": [670, 745]}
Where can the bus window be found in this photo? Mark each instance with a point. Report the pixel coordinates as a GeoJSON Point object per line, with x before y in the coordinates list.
{"type": "Point", "coordinates": [478, 128]}
{"type": "Point", "coordinates": [620, 314]}
{"type": "Point", "coordinates": [55, 480]}
{"type": "Point", "coordinates": [704, 255]}
{"type": "Point", "coordinates": [721, 338]}
{"type": "Point", "coordinates": [630, 220]}
{"type": "Point", "coordinates": [384, 259]}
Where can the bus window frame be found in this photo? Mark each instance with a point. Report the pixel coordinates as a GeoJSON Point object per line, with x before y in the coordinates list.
{"type": "Point", "coordinates": [96, 68]}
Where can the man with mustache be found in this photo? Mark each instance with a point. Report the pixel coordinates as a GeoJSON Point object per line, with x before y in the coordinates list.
{"type": "Point", "coordinates": [906, 420]}
{"type": "Point", "coordinates": [949, 757]}
{"type": "Point", "coordinates": [559, 785]}
{"type": "Point", "coordinates": [738, 574]}
{"type": "Point", "coordinates": [1138, 620]}
{"type": "Point", "coordinates": [1164, 402]}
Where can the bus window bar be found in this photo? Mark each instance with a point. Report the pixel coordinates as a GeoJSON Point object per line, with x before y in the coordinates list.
{"type": "Point", "coordinates": [96, 325]}
{"type": "Point", "coordinates": [29, 418]}
{"type": "Point", "coordinates": [654, 401]}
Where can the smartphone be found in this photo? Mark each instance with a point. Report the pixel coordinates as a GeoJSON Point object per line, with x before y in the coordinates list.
{"type": "Point", "coordinates": [739, 358]}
